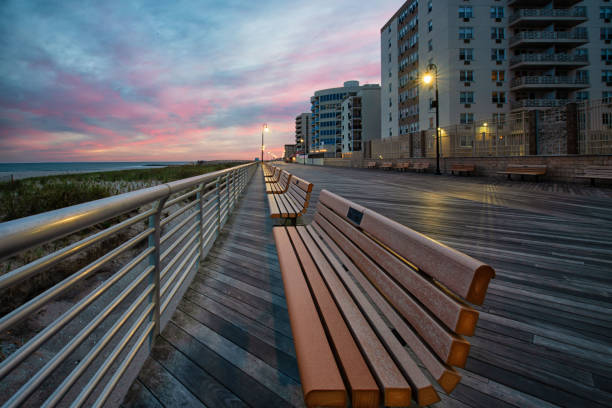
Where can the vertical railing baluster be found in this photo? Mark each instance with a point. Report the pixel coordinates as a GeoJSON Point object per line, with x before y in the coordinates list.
{"type": "Point", "coordinates": [218, 187]}
{"type": "Point", "coordinates": [200, 219]}
{"type": "Point", "coordinates": [154, 260]}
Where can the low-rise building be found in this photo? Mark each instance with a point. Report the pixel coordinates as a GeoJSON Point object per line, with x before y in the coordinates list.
{"type": "Point", "coordinates": [360, 119]}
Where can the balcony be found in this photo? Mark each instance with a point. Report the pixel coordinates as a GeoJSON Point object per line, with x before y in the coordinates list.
{"type": "Point", "coordinates": [549, 59]}
{"type": "Point", "coordinates": [540, 103]}
{"type": "Point", "coordinates": [535, 17]}
{"type": "Point", "coordinates": [540, 3]}
{"type": "Point", "coordinates": [546, 82]}
{"type": "Point", "coordinates": [573, 38]}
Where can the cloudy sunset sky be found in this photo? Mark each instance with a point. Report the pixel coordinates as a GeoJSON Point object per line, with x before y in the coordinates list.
{"type": "Point", "coordinates": [173, 80]}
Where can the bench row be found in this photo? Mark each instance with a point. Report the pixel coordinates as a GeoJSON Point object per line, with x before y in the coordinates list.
{"type": "Point", "coordinates": [288, 195]}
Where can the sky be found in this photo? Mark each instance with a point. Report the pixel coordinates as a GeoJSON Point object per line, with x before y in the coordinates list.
{"type": "Point", "coordinates": [173, 80]}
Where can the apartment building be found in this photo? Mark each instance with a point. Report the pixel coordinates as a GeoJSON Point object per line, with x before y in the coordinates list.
{"type": "Point", "coordinates": [326, 108]}
{"type": "Point", "coordinates": [303, 135]}
{"type": "Point", "coordinates": [492, 57]}
{"type": "Point", "coordinates": [360, 119]}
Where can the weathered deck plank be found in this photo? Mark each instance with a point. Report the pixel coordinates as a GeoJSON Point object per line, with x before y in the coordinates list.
{"type": "Point", "coordinates": [543, 338]}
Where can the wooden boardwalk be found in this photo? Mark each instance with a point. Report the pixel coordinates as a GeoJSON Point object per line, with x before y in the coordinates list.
{"type": "Point", "coordinates": [544, 337]}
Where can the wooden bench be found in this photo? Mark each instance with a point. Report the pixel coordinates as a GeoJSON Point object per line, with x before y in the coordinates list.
{"type": "Point", "coordinates": [420, 286]}
{"type": "Point", "coordinates": [268, 171]}
{"type": "Point", "coordinates": [275, 177]}
{"type": "Point", "coordinates": [401, 166]}
{"type": "Point", "coordinates": [386, 165]}
{"type": "Point", "coordinates": [420, 166]}
{"type": "Point", "coordinates": [462, 168]}
{"type": "Point", "coordinates": [596, 172]}
{"type": "Point", "coordinates": [524, 170]}
{"type": "Point", "coordinates": [281, 186]}
{"type": "Point", "coordinates": [294, 202]}
{"type": "Point", "coordinates": [371, 165]}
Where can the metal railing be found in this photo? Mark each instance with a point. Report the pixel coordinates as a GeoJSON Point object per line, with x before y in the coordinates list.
{"type": "Point", "coordinates": [103, 337]}
{"type": "Point", "coordinates": [560, 58]}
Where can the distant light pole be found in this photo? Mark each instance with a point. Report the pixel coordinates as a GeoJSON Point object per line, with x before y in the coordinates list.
{"type": "Point", "coordinates": [265, 128]}
{"type": "Point", "coordinates": [427, 79]}
{"type": "Point", "coordinates": [303, 150]}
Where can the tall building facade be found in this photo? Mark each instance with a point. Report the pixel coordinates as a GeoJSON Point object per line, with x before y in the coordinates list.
{"type": "Point", "coordinates": [326, 108]}
{"type": "Point", "coordinates": [492, 57]}
{"type": "Point", "coordinates": [303, 134]}
{"type": "Point", "coordinates": [360, 119]}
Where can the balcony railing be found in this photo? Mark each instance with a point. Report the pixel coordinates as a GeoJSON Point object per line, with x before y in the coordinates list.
{"type": "Point", "coordinates": [578, 12]}
{"type": "Point", "coordinates": [548, 80]}
{"type": "Point", "coordinates": [581, 35]}
{"type": "Point", "coordinates": [540, 103]}
{"type": "Point", "coordinates": [549, 58]}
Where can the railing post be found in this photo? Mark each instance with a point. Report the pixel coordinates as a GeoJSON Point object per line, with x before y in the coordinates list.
{"type": "Point", "coordinates": [154, 259]}
{"type": "Point", "coordinates": [218, 187]}
{"type": "Point", "coordinates": [200, 220]}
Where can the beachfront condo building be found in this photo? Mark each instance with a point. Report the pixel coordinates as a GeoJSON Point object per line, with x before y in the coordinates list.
{"type": "Point", "coordinates": [303, 135]}
{"type": "Point", "coordinates": [326, 108]}
{"type": "Point", "coordinates": [492, 58]}
{"type": "Point", "coordinates": [360, 119]}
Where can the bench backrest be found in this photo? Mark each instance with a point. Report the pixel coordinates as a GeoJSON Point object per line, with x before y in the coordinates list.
{"type": "Point", "coordinates": [526, 167]}
{"type": "Point", "coordinates": [300, 190]}
{"type": "Point", "coordinates": [371, 164]}
{"type": "Point", "coordinates": [275, 177]}
{"type": "Point", "coordinates": [386, 164]}
{"type": "Point", "coordinates": [421, 165]}
{"type": "Point", "coordinates": [423, 280]}
{"type": "Point", "coordinates": [284, 179]}
{"type": "Point", "coordinates": [401, 165]}
{"type": "Point", "coordinates": [462, 167]}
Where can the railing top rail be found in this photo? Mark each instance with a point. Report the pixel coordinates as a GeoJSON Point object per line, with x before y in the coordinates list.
{"type": "Point", "coordinates": [27, 232]}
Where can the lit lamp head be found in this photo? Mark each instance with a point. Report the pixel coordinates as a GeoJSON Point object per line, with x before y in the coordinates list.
{"type": "Point", "coordinates": [427, 78]}
{"type": "Point", "coordinates": [266, 128]}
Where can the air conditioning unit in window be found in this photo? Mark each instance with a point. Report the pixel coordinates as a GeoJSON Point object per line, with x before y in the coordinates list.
{"type": "Point", "coordinates": [499, 83]}
{"type": "Point", "coordinates": [467, 105]}
{"type": "Point", "coordinates": [466, 41]}
{"type": "Point", "coordinates": [498, 41]}
{"type": "Point", "coordinates": [466, 62]}
{"type": "Point", "coordinates": [608, 41]}
{"type": "Point", "coordinates": [498, 20]}
{"type": "Point", "coordinates": [499, 62]}
{"type": "Point", "coordinates": [607, 20]}
{"type": "Point", "coordinates": [466, 19]}
{"type": "Point", "coordinates": [608, 83]}
{"type": "Point", "coordinates": [500, 105]}
{"type": "Point", "coordinates": [608, 62]}
{"type": "Point", "coordinates": [467, 84]}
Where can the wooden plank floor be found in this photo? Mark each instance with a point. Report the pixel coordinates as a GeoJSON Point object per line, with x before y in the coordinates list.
{"type": "Point", "coordinates": [544, 335]}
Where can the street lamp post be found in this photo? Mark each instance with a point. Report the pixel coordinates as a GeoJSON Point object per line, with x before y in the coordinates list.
{"type": "Point", "coordinates": [263, 129]}
{"type": "Point", "coordinates": [427, 79]}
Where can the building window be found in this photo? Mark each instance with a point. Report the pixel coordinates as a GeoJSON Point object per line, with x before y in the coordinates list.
{"type": "Point", "coordinates": [431, 123]}
{"type": "Point", "coordinates": [582, 76]}
{"type": "Point", "coordinates": [430, 45]}
{"type": "Point", "coordinates": [429, 6]}
{"type": "Point", "coordinates": [582, 96]}
{"type": "Point", "coordinates": [498, 76]}
{"type": "Point", "coordinates": [498, 97]}
{"type": "Point", "coordinates": [605, 33]}
{"type": "Point", "coordinates": [498, 54]}
{"type": "Point", "coordinates": [466, 33]}
{"type": "Point", "coordinates": [606, 119]}
{"type": "Point", "coordinates": [499, 118]}
{"type": "Point", "coordinates": [465, 12]}
{"type": "Point", "coordinates": [390, 116]}
{"type": "Point", "coordinates": [466, 118]}
{"type": "Point", "coordinates": [606, 75]}
{"type": "Point", "coordinates": [605, 12]}
{"type": "Point", "coordinates": [466, 76]}
{"type": "Point", "coordinates": [429, 26]}
{"type": "Point", "coordinates": [497, 12]}
{"type": "Point", "coordinates": [606, 96]}
{"type": "Point", "coordinates": [389, 57]}
{"type": "Point", "coordinates": [606, 54]}
{"type": "Point", "coordinates": [390, 132]}
{"type": "Point", "coordinates": [466, 54]}
{"type": "Point", "coordinates": [497, 33]}
{"type": "Point", "coordinates": [466, 97]}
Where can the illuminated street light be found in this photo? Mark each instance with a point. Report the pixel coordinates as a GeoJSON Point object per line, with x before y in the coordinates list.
{"type": "Point", "coordinates": [265, 128]}
{"type": "Point", "coordinates": [427, 79]}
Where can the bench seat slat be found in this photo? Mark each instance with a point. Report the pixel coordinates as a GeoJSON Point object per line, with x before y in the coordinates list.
{"type": "Point", "coordinates": [460, 318]}
{"type": "Point", "coordinates": [452, 349]}
{"type": "Point", "coordinates": [425, 393]}
{"type": "Point", "coordinates": [321, 380]}
{"type": "Point", "coordinates": [363, 387]}
{"type": "Point", "coordinates": [445, 375]}
{"type": "Point", "coordinates": [396, 389]}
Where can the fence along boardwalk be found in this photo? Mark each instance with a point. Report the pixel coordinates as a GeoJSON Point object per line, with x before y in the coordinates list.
{"type": "Point", "coordinates": [543, 338]}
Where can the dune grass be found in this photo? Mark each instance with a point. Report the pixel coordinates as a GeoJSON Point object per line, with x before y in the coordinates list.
{"type": "Point", "coordinates": [36, 195]}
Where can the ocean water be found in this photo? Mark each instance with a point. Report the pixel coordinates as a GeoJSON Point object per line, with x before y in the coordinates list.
{"type": "Point", "coordinates": [26, 170]}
